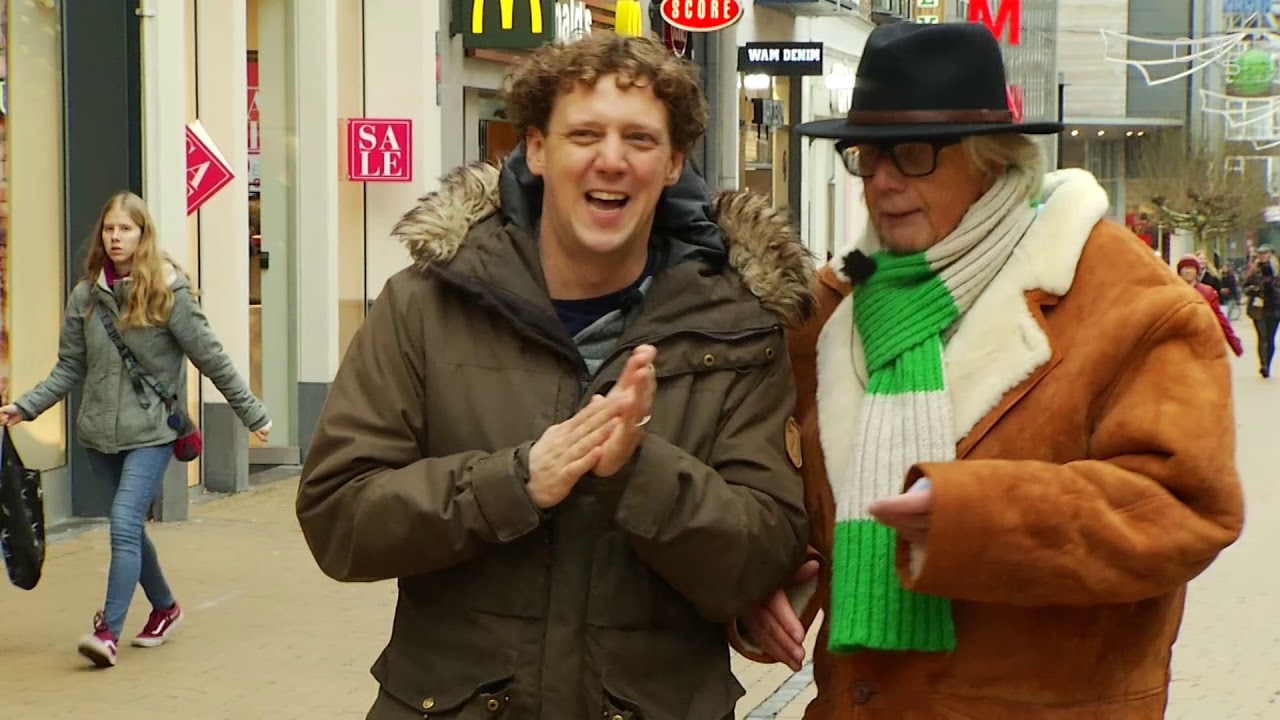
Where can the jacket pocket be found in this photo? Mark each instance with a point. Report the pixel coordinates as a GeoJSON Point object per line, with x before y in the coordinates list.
{"type": "Point", "coordinates": [446, 690]}
{"type": "Point", "coordinates": [674, 675]}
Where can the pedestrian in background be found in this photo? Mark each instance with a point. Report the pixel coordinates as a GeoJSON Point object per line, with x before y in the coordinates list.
{"type": "Point", "coordinates": [1230, 293]}
{"type": "Point", "coordinates": [123, 422]}
{"type": "Point", "coordinates": [1262, 290]}
{"type": "Point", "coordinates": [1189, 269]}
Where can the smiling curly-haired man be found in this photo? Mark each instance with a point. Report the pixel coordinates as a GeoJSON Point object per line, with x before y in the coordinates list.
{"type": "Point", "coordinates": [565, 429]}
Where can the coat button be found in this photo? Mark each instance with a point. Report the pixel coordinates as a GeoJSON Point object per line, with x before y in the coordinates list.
{"type": "Point", "coordinates": [428, 703]}
{"type": "Point", "coordinates": [493, 704]}
{"type": "Point", "coordinates": [617, 717]}
{"type": "Point", "coordinates": [768, 353]}
{"type": "Point", "coordinates": [862, 693]}
{"type": "Point", "coordinates": [709, 360]}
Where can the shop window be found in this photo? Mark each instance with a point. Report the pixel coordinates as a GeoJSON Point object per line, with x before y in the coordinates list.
{"type": "Point", "coordinates": [31, 207]}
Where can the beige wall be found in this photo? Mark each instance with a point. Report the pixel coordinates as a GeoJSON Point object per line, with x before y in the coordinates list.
{"type": "Point", "coordinates": [35, 220]}
{"type": "Point", "coordinates": [351, 240]}
{"type": "Point", "coordinates": [1095, 85]}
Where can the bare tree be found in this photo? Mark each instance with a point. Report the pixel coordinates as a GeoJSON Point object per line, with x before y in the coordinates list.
{"type": "Point", "coordinates": [1205, 194]}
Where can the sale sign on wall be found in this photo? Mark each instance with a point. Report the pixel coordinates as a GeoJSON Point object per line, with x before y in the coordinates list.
{"type": "Point", "coordinates": [379, 150]}
{"type": "Point", "coordinates": [255, 135]}
{"type": "Point", "coordinates": [207, 170]}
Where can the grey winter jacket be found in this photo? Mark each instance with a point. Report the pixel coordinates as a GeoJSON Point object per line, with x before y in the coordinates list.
{"type": "Point", "coordinates": [112, 419]}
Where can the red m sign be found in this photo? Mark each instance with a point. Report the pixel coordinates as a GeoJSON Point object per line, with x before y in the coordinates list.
{"type": "Point", "coordinates": [1008, 12]}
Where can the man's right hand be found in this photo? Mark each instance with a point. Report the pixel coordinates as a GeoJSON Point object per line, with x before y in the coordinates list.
{"type": "Point", "coordinates": [566, 452]}
{"type": "Point", "coordinates": [10, 415]}
{"type": "Point", "coordinates": [773, 625]}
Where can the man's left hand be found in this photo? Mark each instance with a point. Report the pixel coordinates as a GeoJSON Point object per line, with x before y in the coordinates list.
{"type": "Point", "coordinates": [907, 513]}
{"type": "Point", "coordinates": [636, 387]}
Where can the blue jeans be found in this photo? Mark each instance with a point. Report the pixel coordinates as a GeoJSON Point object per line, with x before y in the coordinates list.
{"type": "Point", "coordinates": [136, 475]}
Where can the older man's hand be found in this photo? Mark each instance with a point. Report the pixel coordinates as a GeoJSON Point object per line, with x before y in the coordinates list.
{"type": "Point", "coordinates": [907, 513]}
{"type": "Point", "coordinates": [773, 625]}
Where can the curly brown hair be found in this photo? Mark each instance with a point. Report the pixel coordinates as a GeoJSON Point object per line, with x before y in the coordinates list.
{"type": "Point", "coordinates": [532, 87]}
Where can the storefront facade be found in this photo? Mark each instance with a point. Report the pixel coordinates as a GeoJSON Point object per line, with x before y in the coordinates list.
{"type": "Point", "coordinates": [816, 82]}
{"type": "Point", "coordinates": [71, 128]}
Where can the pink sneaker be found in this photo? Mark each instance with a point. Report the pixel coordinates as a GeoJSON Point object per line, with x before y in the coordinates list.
{"type": "Point", "coordinates": [100, 645]}
{"type": "Point", "coordinates": [159, 625]}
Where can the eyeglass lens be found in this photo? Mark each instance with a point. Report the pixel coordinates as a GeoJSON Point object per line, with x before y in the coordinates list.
{"type": "Point", "coordinates": [912, 159]}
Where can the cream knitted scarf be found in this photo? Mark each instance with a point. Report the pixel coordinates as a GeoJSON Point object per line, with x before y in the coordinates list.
{"type": "Point", "coordinates": [902, 312]}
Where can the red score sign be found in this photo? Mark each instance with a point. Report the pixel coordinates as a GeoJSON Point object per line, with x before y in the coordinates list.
{"type": "Point", "coordinates": [207, 171]}
{"type": "Point", "coordinates": [701, 15]}
{"type": "Point", "coordinates": [379, 150]}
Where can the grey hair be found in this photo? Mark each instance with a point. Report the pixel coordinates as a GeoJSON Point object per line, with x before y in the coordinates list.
{"type": "Point", "coordinates": [995, 153]}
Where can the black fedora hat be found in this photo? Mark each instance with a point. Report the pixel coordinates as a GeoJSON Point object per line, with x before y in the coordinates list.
{"type": "Point", "coordinates": [923, 81]}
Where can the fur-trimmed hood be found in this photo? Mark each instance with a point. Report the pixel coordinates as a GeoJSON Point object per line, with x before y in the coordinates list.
{"type": "Point", "coordinates": [757, 240]}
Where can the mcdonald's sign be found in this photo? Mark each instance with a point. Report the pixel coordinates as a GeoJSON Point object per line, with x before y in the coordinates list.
{"type": "Point", "coordinates": [505, 24]}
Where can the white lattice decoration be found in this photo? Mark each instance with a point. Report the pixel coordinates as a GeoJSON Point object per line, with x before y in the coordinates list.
{"type": "Point", "coordinates": [1199, 53]}
{"type": "Point", "coordinates": [1248, 118]}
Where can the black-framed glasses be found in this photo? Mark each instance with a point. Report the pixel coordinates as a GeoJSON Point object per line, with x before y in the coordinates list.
{"type": "Point", "coordinates": [916, 158]}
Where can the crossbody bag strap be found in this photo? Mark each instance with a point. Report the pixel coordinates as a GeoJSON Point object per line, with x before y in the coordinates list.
{"type": "Point", "coordinates": [138, 376]}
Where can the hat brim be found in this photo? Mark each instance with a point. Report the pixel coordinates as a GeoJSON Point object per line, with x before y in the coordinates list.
{"type": "Point", "coordinates": [841, 129]}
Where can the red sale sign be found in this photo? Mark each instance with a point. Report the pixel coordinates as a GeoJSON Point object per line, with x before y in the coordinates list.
{"type": "Point", "coordinates": [255, 130]}
{"type": "Point", "coordinates": [207, 171]}
{"type": "Point", "coordinates": [379, 150]}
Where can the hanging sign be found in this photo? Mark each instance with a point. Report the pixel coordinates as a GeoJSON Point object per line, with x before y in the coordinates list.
{"type": "Point", "coordinates": [1008, 14]}
{"type": "Point", "coordinates": [507, 24]}
{"type": "Point", "coordinates": [794, 59]}
{"type": "Point", "coordinates": [701, 15]}
{"type": "Point", "coordinates": [676, 40]}
{"type": "Point", "coordinates": [207, 170]}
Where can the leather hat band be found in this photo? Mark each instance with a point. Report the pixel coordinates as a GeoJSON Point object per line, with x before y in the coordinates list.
{"type": "Point", "coordinates": [912, 117]}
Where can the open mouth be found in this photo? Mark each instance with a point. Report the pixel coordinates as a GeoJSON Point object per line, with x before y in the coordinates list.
{"type": "Point", "coordinates": [607, 201]}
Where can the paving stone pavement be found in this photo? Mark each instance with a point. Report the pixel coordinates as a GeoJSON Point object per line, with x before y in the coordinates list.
{"type": "Point", "coordinates": [267, 636]}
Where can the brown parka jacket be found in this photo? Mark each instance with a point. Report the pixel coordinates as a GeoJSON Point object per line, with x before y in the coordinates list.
{"type": "Point", "coordinates": [612, 603]}
{"type": "Point", "coordinates": [1094, 478]}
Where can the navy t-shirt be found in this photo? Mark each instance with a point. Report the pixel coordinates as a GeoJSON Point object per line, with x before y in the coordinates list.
{"type": "Point", "coordinates": [577, 315]}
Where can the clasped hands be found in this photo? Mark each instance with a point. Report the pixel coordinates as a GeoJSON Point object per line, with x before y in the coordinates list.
{"type": "Point", "coordinates": [601, 438]}
{"type": "Point", "coordinates": [773, 624]}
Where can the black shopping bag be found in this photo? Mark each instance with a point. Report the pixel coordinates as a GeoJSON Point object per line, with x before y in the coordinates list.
{"type": "Point", "coordinates": [21, 517]}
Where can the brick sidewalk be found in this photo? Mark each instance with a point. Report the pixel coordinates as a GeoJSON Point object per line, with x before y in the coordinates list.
{"type": "Point", "coordinates": [268, 636]}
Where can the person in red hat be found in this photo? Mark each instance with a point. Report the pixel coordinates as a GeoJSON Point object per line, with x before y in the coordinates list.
{"type": "Point", "coordinates": [1190, 269]}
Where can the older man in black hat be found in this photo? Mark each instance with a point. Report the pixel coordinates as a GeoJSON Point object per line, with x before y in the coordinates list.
{"type": "Point", "coordinates": [1015, 422]}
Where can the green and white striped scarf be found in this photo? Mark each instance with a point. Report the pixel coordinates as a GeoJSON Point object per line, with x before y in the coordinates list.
{"type": "Point", "coordinates": [902, 313]}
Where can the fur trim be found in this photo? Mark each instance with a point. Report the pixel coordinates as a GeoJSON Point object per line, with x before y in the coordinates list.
{"type": "Point", "coordinates": [765, 249]}
{"type": "Point", "coordinates": [979, 371]}
{"type": "Point", "coordinates": [763, 246]}
{"type": "Point", "coordinates": [435, 228]}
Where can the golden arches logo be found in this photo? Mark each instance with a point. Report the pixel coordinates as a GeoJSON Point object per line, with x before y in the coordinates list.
{"type": "Point", "coordinates": [507, 8]}
{"type": "Point", "coordinates": [627, 19]}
